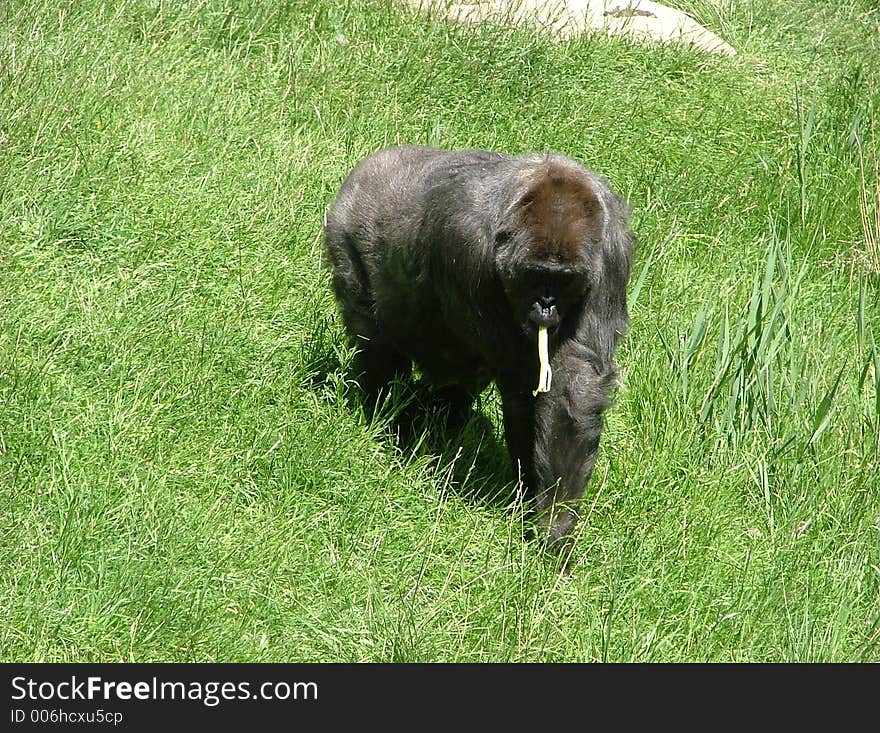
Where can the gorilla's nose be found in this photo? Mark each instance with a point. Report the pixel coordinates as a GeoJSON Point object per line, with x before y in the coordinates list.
{"type": "Point", "coordinates": [545, 313]}
{"type": "Point", "coordinates": [547, 310]}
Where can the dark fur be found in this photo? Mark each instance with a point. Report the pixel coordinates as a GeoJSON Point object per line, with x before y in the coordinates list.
{"type": "Point", "coordinates": [452, 259]}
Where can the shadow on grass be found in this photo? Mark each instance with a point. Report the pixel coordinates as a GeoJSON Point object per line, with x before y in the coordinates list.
{"type": "Point", "coordinates": [466, 447]}
{"type": "Point", "coordinates": [467, 451]}
{"type": "Point", "coordinates": [319, 357]}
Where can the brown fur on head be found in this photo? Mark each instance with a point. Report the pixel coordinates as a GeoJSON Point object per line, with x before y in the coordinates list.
{"type": "Point", "coordinates": [562, 211]}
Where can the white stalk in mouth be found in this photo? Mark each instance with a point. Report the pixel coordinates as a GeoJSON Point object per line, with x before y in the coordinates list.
{"type": "Point", "coordinates": [544, 356]}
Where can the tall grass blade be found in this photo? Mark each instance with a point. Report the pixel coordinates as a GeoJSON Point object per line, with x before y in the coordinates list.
{"type": "Point", "coordinates": [822, 418]}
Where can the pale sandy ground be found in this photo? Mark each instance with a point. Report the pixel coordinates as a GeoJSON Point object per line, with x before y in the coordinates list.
{"type": "Point", "coordinates": [639, 20]}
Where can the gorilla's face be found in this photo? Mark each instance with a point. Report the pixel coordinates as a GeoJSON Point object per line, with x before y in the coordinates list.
{"type": "Point", "coordinates": [543, 256]}
{"type": "Point", "coordinates": [543, 293]}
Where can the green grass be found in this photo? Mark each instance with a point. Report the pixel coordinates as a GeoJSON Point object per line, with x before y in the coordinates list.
{"type": "Point", "coordinates": [183, 473]}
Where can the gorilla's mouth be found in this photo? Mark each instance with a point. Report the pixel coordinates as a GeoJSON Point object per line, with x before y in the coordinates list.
{"type": "Point", "coordinates": [545, 316]}
{"type": "Point", "coordinates": [533, 325]}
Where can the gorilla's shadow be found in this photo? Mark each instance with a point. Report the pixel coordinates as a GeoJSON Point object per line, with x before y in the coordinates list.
{"type": "Point", "coordinates": [466, 447]}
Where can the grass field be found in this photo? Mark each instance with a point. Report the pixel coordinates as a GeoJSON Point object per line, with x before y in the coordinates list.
{"type": "Point", "coordinates": [184, 473]}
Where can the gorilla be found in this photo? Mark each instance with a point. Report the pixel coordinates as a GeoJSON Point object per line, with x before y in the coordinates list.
{"type": "Point", "coordinates": [480, 267]}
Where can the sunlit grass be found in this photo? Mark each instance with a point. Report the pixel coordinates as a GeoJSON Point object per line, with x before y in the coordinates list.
{"type": "Point", "coordinates": [184, 471]}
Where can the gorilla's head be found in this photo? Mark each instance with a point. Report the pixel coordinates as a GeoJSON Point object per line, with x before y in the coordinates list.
{"type": "Point", "coordinates": [547, 249]}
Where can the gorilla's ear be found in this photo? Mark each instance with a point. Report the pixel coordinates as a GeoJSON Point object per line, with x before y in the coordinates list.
{"type": "Point", "coordinates": [605, 314]}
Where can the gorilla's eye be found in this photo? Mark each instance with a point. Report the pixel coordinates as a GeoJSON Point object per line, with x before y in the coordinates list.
{"type": "Point", "coordinates": [569, 283]}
